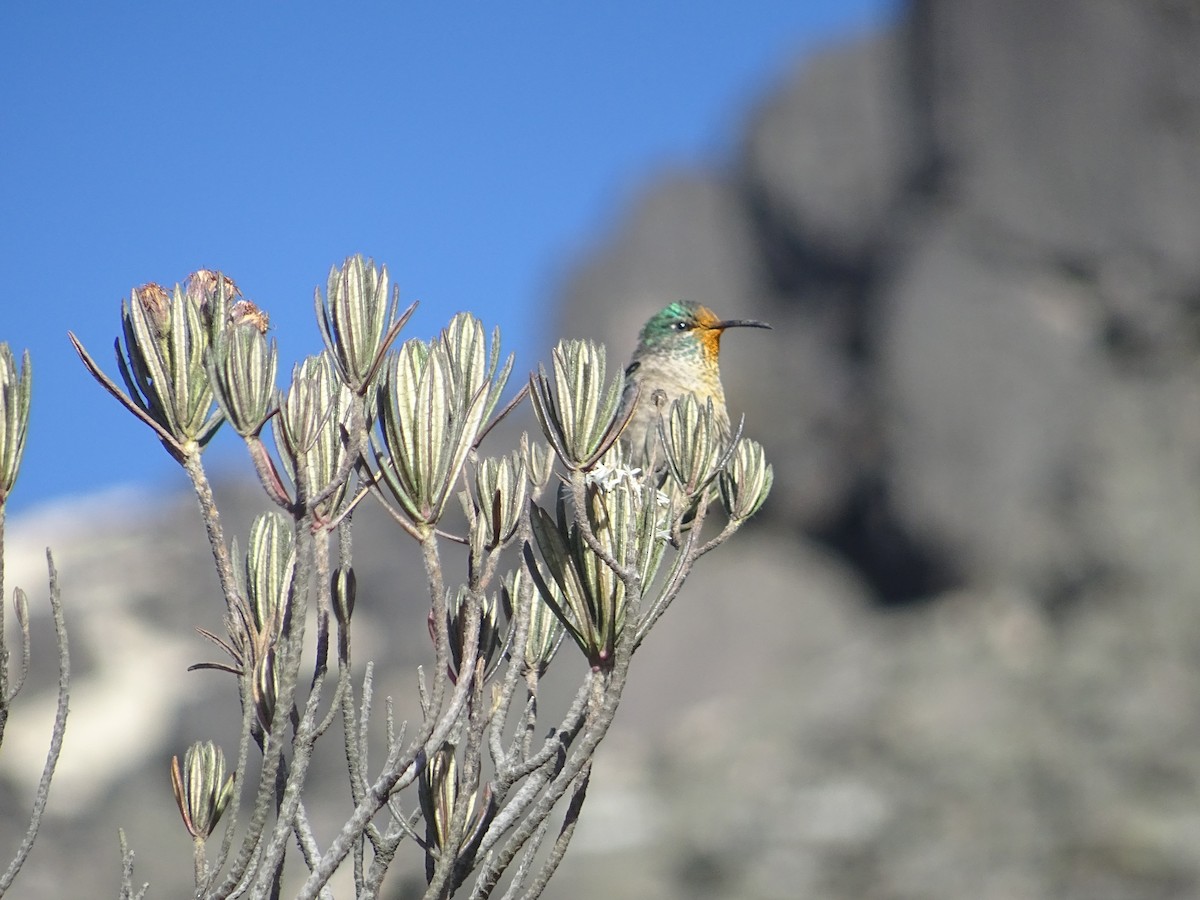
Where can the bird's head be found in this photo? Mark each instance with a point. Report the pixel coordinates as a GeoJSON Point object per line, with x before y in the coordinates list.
{"type": "Point", "coordinates": [686, 329]}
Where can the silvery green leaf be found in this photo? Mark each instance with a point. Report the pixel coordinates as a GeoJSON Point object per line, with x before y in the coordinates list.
{"type": "Point", "coordinates": [591, 600]}
{"type": "Point", "coordinates": [746, 481]}
{"type": "Point", "coordinates": [437, 791]}
{"type": "Point", "coordinates": [545, 630]}
{"type": "Point", "coordinates": [312, 426]}
{"type": "Point", "coordinates": [501, 487]}
{"type": "Point", "coordinates": [202, 789]}
{"type": "Point", "coordinates": [301, 412]}
{"type": "Point", "coordinates": [242, 366]}
{"type": "Point", "coordinates": [270, 563]}
{"type": "Point", "coordinates": [579, 414]}
{"type": "Point", "coordinates": [15, 388]}
{"type": "Point", "coordinates": [163, 365]}
{"type": "Point", "coordinates": [430, 414]}
{"type": "Point", "coordinates": [472, 365]}
{"type": "Point", "coordinates": [489, 629]}
{"type": "Point", "coordinates": [357, 321]}
{"type": "Point", "coordinates": [693, 443]}
{"type": "Point", "coordinates": [570, 602]}
{"type": "Point", "coordinates": [539, 462]}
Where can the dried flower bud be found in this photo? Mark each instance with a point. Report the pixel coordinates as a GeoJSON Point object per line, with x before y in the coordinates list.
{"type": "Point", "coordinates": [243, 312]}
{"type": "Point", "coordinates": [203, 284]}
{"type": "Point", "coordinates": [157, 303]}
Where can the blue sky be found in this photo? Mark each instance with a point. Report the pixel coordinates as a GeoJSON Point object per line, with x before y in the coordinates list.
{"type": "Point", "coordinates": [475, 148]}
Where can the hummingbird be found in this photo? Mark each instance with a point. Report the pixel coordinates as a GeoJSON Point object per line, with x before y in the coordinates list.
{"type": "Point", "coordinates": [676, 355]}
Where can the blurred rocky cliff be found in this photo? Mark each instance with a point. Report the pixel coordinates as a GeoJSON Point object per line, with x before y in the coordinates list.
{"type": "Point", "coordinates": [959, 653]}
{"type": "Point", "coordinates": [965, 642]}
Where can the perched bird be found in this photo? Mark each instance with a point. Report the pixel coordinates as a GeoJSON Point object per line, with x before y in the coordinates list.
{"type": "Point", "coordinates": [676, 355]}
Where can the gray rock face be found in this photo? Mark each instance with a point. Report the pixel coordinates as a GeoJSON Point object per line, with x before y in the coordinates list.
{"type": "Point", "coordinates": [1071, 124]}
{"type": "Point", "coordinates": [828, 154]}
{"type": "Point", "coordinates": [972, 235]}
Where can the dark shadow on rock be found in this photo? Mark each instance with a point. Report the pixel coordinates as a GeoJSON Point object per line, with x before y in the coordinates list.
{"type": "Point", "coordinates": [900, 568]}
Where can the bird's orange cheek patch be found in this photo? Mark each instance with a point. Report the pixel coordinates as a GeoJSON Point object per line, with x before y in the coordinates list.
{"type": "Point", "coordinates": [711, 339]}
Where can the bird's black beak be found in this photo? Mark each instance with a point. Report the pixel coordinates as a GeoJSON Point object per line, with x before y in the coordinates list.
{"type": "Point", "coordinates": [738, 323]}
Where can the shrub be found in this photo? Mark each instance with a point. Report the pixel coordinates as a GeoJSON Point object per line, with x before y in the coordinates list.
{"type": "Point", "coordinates": [469, 786]}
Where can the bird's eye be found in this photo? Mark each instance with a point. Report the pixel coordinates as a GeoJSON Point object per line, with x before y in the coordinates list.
{"type": "Point", "coordinates": [681, 325]}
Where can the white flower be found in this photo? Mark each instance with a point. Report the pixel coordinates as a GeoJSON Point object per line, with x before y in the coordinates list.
{"type": "Point", "coordinates": [609, 478]}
